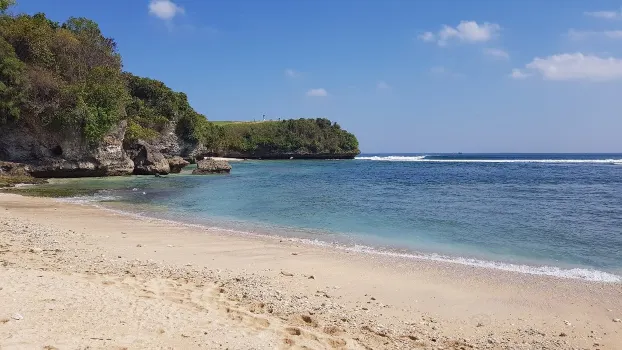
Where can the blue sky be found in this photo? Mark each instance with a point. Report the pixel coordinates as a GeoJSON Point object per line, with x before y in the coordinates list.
{"type": "Point", "coordinates": [404, 76]}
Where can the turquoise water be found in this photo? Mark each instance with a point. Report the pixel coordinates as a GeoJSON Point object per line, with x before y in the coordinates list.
{"type": "Point", "coordinates": [546, 214]}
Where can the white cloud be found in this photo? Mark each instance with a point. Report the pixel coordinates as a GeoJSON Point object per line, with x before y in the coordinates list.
{"type": "Point", "coordinates": [465, 31]}
{"type": "Point", "coordinates": [290, 73]}
{"type": "Point", "coordinates": [317, 92]}
{"type": "Point", "coordinates": [518, 74]}
{"type": "Point", "coordinates": [165, 9]}
{"type": "Point", "coordinates": [497, 53]}
{"type": "Point", "coordinates": [427, 36]}
{"type": "Point", "coordinates": [383, 86]}
{"type": "Point", "coordinates": [585, 34]}
{"type": "Point", "coordinates": [605, 14]}
{"type": "Point", "coordinates": [576, 66]}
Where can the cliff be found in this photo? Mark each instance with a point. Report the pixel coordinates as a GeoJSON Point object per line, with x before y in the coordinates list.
{"type": "Point", "coordinates": [68, 110]}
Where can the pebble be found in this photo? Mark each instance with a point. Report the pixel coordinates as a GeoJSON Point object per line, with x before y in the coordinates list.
{"type": "Point", "coordinates": [18, 317]}
{"type": "Point", "coordinates": [617, 320]}
{"type": "Point", "coordinates": [288, 274]}
{"type": "Point", "coordinates": [36, 250]}
{"type": "Point", "coordinates": [567, 323]}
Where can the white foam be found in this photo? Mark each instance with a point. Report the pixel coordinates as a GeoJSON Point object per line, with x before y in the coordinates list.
{"type": "Point", "coordinates": [574, 273]}
{"type": "Point", "coordinates": [394, 158]}
{"type": "Point", "coordinates": [458, 160]}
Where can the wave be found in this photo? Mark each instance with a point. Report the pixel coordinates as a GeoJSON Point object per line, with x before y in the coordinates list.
{"type": "Point", "coordinates": [573, 273]}
{"type": "Point", "coordinates": [552, 271]}
{"type": "Point", "coordinates": [447, 159]}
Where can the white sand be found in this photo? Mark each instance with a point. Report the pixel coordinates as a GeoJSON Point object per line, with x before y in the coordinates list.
{"type": "Point", "coordinates": [82, 277]}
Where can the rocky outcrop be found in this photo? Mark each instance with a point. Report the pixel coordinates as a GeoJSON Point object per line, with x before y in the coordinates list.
{"type": "Point", "coordinates": [16, 173]}
{"type": "Point", "coordinates": [64, 153]}
{"type": "Point", "coordinates": [212, 166]}
{"type": "Point", "coordinates": [147, 159]}
{"type": "Point", "coordinates": [13, 169]}
{"type": "Point", "coordinates": [177, 163]}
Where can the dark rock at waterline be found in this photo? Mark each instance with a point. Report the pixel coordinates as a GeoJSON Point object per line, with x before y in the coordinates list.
{"type": "Point", "coordinates": [212, 166]}
{"type": "Point", "coordinates": [12, 174]}
{"type": "Point", "coordinates": [147, 159]}
{"type": "Point", "coordinates": [176, 164]}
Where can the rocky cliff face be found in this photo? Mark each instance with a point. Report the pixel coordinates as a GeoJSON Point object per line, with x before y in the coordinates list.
{"type": "Point", "coordinates": [64, 153]}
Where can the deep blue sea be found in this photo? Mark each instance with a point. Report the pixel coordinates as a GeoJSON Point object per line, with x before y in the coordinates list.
{"type": "Point", "coordinates": [553, 214]}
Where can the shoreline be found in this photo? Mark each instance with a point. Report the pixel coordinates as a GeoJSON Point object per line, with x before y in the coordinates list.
{"type": "Point", "coordinates": [386, 302]}
{"type": "Point", "coordinates": [582, 273]}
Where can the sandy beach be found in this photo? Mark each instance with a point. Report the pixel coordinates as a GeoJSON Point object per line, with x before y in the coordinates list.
{"type": "Point", "coordinates": [77, 276]}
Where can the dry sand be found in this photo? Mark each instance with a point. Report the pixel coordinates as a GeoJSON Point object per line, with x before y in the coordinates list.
{"type": "Point", "coordinates": [76, 277]}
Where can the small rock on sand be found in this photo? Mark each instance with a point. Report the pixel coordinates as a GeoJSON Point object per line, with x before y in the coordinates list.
{"type": "Point", "coordinates": [288, 274]}
{"type": "Point", "coordinates": [36, 250]}
{"type": "Point", "coordinates": [18, 317]}
{"type": "Point", "coordinates": [617, 320]}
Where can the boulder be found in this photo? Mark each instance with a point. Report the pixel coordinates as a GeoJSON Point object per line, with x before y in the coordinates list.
{"type": "Point", "coordinates": [212, 166]}
{"type": "Point", "coordinates": [176, 164]}
{"type": "Point", "coordinates": [148, 160]}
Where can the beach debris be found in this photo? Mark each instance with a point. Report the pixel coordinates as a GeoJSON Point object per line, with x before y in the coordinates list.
{"type": "Point", "coordinates": [288, 274]}
{"type": "Point", "coordinates": [617, 320]}
{"type": "Point", "coordinates": [567, 323]}
{"type": "Point", "coordinates": [18, 317]}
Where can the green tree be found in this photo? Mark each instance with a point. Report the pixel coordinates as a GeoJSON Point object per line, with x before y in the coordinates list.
{"type": "Point", "coordinates": [12, 82]}
{"type": "Point", "coordinates": [5, 4]}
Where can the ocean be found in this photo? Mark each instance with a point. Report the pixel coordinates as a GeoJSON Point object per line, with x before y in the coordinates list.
{"type": "Point", "coordinates": [547, 214]}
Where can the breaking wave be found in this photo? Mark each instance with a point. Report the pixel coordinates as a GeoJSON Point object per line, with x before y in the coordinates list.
{"type": "Point", "coordinates": [471, 159]}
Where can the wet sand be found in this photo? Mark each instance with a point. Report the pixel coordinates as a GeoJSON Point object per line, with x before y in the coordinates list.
{"type": "Point", "coordinates": [76, 276]}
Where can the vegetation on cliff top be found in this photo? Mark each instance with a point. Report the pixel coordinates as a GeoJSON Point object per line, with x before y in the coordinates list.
{"type": "Point", "coordinates": [294, 136]}
{"type": "Point", "coordinates": [68, 75]}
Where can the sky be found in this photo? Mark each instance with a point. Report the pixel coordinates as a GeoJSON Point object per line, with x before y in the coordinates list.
{"type": "Point", "coordinates": [402, 75]}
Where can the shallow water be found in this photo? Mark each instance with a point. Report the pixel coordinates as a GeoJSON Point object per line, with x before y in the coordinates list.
{"type": "Point", "coordinates": [547, 214]}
